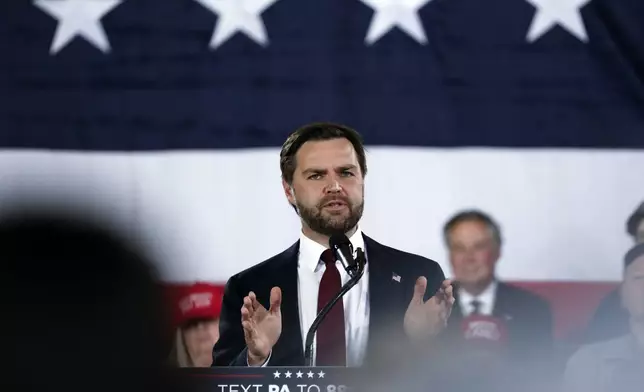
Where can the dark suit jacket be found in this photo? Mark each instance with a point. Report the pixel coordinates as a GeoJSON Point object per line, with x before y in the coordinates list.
{"type": "Point", "coordinates": [388, 301]}
{"type": "Point", "coordinates": [527, 317]}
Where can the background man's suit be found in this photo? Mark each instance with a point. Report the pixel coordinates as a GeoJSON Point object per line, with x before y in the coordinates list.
{"type": "Point", "coordinates": [389, 298]}
{"type": "Point", "coordinates": [528, 319]}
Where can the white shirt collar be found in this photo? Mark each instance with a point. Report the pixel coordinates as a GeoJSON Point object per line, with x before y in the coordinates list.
{"type": "Point", "coordinates": [310, 251]}
{"type": "Point", "coordinates": [486, 299]}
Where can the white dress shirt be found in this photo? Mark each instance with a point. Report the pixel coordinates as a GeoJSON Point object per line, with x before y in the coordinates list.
{"type": "Point", "coordinates": [486, 300]}
{"type": "Point", "coordinates": [310, 269]}
{"type": "Point", "coordinates": [356, 302]}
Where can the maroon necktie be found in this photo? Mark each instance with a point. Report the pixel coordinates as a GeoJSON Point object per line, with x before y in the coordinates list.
{"type": "Point", "coordinates": [330, 346]}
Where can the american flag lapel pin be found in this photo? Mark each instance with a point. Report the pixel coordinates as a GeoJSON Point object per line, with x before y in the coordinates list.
{"type": "Point", "coordinates": [395, 276]}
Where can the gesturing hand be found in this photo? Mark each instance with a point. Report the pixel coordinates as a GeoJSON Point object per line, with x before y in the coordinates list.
{"type": "Point", "coordinates": [261, 327]}
{"type": "Point", "coordinates": [427, 319]}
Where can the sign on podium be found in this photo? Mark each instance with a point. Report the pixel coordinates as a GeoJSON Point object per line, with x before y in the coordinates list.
{"type": "Point", "coordinates": [273, 379]}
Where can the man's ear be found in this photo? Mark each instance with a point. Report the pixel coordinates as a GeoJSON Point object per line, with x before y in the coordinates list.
{"type": "Point", "coordinates": [497, 254]}
{"type": "Point", "coordinates": [288, 191]}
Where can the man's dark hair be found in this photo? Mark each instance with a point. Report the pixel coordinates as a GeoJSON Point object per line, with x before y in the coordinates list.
{"type": "Point", "coordinates": [634, 220]}
{"type": "Point", "coordinates": [469, 216]}
{"type": "Point", "coordinates": [317, 132]}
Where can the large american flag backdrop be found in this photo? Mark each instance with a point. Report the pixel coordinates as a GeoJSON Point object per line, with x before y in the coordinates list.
{"type": "Point", "coordinates": [166, 118]}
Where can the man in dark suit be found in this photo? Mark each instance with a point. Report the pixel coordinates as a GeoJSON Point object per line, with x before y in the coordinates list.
{"type": "Point", "coordinates": [402, 300]}
{"type": "Point", "coordinates": [474, 242]}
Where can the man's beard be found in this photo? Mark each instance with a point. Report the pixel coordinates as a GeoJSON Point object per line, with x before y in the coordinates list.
{"type": "Point", "coordinates": [327, 224]}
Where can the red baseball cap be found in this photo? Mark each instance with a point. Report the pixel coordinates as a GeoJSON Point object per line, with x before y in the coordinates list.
{"type": "Point", "coordinates": [198, 301]}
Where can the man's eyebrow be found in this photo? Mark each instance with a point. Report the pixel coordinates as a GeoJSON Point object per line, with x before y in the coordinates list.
{"type": "Point", "coordinates": [314, 170]}
{"type": "Point", "coordinates": [347, 167]}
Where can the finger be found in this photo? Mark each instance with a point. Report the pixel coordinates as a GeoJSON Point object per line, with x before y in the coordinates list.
{"type": "Point", "coordinates": [449, 296]}
{"type": "Point", "coordinates": [248, 305]}
{"type": "Point", "coordinates": [451, 299]}
{"type": "Point", "coordinates": [419, 290]}
{"type": "Point", "coordinates": [449, 290]}
{"type": "Point", "coordinates": [446, 290]}
{"type": "Point", "coordinates": [276, 300]}
{"type": "Point", "coordinates": [247, 324]}
{"type": "Point", "coordinates": [440, 296]}
{"type": "Point", "coordinates": [253, 300]}
{"type": "Point", "coordinates": [245, 314]}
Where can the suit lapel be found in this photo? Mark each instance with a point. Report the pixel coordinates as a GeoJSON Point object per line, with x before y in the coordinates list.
{"type": "Point", "coordinates": [289, 347]}
{"type": "Point", "coordinates": [385, 293]}
{"type": "Point", "coordinates": [500, 302]}
{"type": "Point", "coordinates": [378, 282]}
{"type": "Point", "coordinates": [504, 306]}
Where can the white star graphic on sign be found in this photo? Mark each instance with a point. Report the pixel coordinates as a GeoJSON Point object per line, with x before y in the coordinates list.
{"type": "Point", "coordinates": [565, 13]}
{"type": "Point", "coordinates": [238, 16]}
{"type": "Point", "coordinates": [288, 374]}
{"type": "Point", "coordinates": [299, 374]}
{"type": "Point", "coordinates": [276, 374]}
{"type": "Point", "coordinates": [78, 17]}
{"type": "Point", "coordinates": [310, 374]}
{"type": "Point", "coordinates": [395, 13]}
{"type": "Point", "coordinates": [321, 374]}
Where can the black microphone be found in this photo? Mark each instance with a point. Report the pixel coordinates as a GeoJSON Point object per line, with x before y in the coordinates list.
{"type": "Point", "coordinates": [355, 269]}
{"type": "Point", "coordinates": [343, 250]}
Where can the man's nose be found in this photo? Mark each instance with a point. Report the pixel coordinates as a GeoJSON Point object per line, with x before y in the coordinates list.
{"type": "Point", "coordinates": [333, 186]}
{"type": "Point", "coordinates": [469, 255]}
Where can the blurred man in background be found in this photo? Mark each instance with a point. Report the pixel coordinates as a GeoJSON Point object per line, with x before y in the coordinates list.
{"type": "Point", "coordinates": [618, 363]}
{"type": "Point", "coordinates": [611, 319]}
{"type": "Point", "coordinates": [493, 327]}
{"type": "Point", "coordinates": [474, 243]}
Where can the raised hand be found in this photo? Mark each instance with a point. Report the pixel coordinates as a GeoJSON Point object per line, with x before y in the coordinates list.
{"type": "Point", "coordinates": [425, 319]}
{"type": "Point", "coordinates": [262, 328]}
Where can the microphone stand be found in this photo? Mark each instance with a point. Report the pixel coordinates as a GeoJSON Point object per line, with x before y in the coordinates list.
{"type": "Point", "coordinates": [356, 271]}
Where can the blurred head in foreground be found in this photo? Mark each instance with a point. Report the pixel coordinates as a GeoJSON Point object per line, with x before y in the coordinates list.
{"type": "Point", "coordinates": [197, 308]}
{"type": "Point", "coordinates": [83, 307]}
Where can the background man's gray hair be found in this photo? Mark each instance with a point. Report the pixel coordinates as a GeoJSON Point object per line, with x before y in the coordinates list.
{"type": "Point", "coordinates": [469, 216]}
